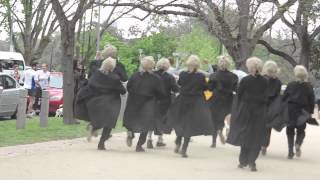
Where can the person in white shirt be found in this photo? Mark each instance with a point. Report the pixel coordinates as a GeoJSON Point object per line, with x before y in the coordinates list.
{"type": "Point", "coordinates": [43, 77]}
{"type": "Point", "coordinates": [29, 85]}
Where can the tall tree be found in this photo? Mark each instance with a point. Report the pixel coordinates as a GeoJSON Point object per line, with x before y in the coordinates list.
{"type": "Point", "coordinates": [240, 40]}
{"type": "Point", "coordinates": [67, 28]}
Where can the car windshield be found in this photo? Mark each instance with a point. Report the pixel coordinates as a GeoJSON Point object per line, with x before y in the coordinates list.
{"type": "Point", "coordinates": [56, 81]}
{"type": "Point", "coordinates": [9, 64]}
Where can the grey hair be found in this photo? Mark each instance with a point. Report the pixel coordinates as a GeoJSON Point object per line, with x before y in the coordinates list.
{"type": "Point", "coordinates": [109, 51]}
{"type": "Point", "coordinates": [108, 65]}
{"type": "Point", "coordinates": [193, 63]}
{"type": "Point", "coordinates": [301, 73]}
{"type": "Point", "coordinates": [147, 63]}
{"type": "Point", "coordinates": [163, 64]}
{"type": "Point", "coordinates": [223, 62]}
{"type": "Point", "coordinates": [254, 65]}
{"type": "Point", "coordinates": [270, 68]}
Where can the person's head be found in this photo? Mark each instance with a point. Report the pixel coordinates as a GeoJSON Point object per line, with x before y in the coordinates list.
{"type": "Point", "coordinates": [44, 67]}
{"type": "Point", "coordinates": [98, 55]}
{"type": "Point", "coordinates": [254, 65]}
{"type": "Point", "coordinates": [108, 65]}
{"type": "Point", "coordinates": [270, 68]}
{"type": "Point", "coordinates": [109, 51]}
{"type": "Point", "coordinates": [147, 63]}
{"type": "Point", "coordinates": [223, 63]}
{"type": "Point", "coordinates": [193, 63]}
{"type": "Point", "coordinates": [301, 73]}
{"type": "Point", "coordinates": [34, 66]}
{"type": "Point", "coordinates": [163, 64]}
{"type": "Point", "coordinates": [16, 67]}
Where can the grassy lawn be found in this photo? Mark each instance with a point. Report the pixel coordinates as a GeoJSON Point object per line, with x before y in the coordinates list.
{"type": "Point", "coordinates": [56, 130]}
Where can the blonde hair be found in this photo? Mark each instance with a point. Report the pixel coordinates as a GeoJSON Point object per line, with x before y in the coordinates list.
{"type": "Point", "coordinates": [193, 63]}
{"type": "Point", "coordinates": [301, 73]}
{"type": "Point", "coordinates": [147, 63]}
{"type": "Point", "coordinates": [109, 51]}
{"type": "Point", "coordinates": [98, 55]}
{"type": "Point", "coordinates": [163, 64]}
{"type": "Point", "coordinates": [270, 68]}
{"type": "Point", "coordinates": [254, 65]}
{"type": "Point", "coordinates": [108, 65]}
{"type": "Point", "coordinates": [223, 62]}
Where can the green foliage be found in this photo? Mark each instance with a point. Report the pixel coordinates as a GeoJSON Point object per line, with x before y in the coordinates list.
{"type": "Point", "coordinates": [199, 42]}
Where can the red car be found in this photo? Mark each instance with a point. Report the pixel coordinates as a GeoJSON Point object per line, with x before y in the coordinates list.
{"type": "Point", "coordinates": [55, 91]}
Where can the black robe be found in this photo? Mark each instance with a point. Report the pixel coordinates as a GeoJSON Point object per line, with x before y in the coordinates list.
{"type": "Point", "coordinates": [99, 102]}
{"type": "Point", "coordinates": [190, 114]}
{"type": "Point", "coordinates": [163, 104]}
{"type": "Point", "coordinates": [300, 96]}
{"type": "Point", "coordinates": [248, 119]}
{"type": "Point", "coordinates": [223, 84]}
{"type": "Point", "coordinates": [144, 89]}
{"type": "Point", "coordinates": [119, 69]}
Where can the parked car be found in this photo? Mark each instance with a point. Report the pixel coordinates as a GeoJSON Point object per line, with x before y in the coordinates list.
{"type": "Point", "coordinates": [9, 59]}
{"type": "Point", "coordinates": [55, 91]}
{"type": "Point", "coordinates": [9, 98]}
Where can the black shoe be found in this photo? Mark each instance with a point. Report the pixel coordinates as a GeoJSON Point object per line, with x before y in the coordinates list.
{"type": "Point", "coordinates": [213, 145]}
{"type": "Point", "coordinates": [101, 147]}
{"type": "Point", "coordinates": [129, 141]}
{"type": "Point", "coordinates": [184, 154]}
{"type": "Point", "coordinates": [253, 168]}
{"type": "Point", "coordinates": [149, 144]}
{"type": "Point", "coordinates": [177, 149]}
{"type": "Point", "coordinates": [298, 150]}
{"type": "Point", "coordinates": [290, 155]}
{"type": "Point", "coordinates": [160, 144]}
{"type": "Point", "coordinates": [139, 149]}
{"type": "Point", "coordinates": [264, 151]}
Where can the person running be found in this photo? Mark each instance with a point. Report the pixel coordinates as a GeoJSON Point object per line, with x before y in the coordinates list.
{"type": "Point", "coordinates": [101, 100]}
{"type": "Point", "coordinates": [145, 88]}
{"type": "Point", "coordinates": [270, 71]}
{"type": "Point", "coordinates": [190, 114]}
{"type": "Point", "coordinates": [162, 105]}
{"type": "Point", "coordinates": [248, 122]}
{"type": "Point", "coordinates": [223, 83]}
{"type": "Point", "coordinates": [300, 97]}
{"type": "Point", "coordinates": [29, 85]}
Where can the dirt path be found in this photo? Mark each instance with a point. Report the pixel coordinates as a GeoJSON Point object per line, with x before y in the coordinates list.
{"type": "Point", "coordinates": [76, 160]}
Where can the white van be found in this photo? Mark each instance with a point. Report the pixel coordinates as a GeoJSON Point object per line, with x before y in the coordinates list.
{"type": "Point", "coordinates": [9, 59]}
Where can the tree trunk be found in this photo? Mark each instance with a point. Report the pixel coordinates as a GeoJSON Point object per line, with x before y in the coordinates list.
{"type": "Point", "coordinates": [67, 40]}
{"type": "Point", "coordinates": [240, 52]}
{"type": "Point", "coordinates": [305, 52]}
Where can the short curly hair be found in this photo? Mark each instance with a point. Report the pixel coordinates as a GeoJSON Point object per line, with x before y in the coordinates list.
{"type": "Point", "coordinates": [254, 65]}
{"type": "Point", "coordinates": [270, 68]}
{"type": "Point", "coordinates": [301, 73]}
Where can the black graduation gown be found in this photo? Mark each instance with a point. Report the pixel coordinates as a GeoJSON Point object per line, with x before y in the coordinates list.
{"type": "Point", "coordinates": [248, 119]}
{"type": "Point", "coordinates": [119, 69]}
{"type": "Point", "coordinates": [223, 84]}
{"type": "Point", "coordinates": [300, 96]}
{"type": "Point", "coordinates": [163, 104]}
{"type": "Point", "coordinates": [99, 102]}
{"type": "Point", "coordinates": [190, 114]}
{"type": "Point", "coordinates": [144, 89]}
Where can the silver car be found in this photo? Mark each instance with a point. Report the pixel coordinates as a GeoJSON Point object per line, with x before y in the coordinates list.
{"type": "Point", "coordinates": [9, 97]}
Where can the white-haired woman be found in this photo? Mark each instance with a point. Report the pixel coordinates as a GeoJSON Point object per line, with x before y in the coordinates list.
{"type": "Point", "coordinates": [248, 123]}
{"type": "Point", "coordinates": [162, 105]}
{"type": "Point", "coordinates": [223, 83]}
{"type": "Point", "coordinates": [144, 88]}
{"type": "Point", "coordinates": [300, 97]}
{"type": "Point", "coordinates": [270, 71]}
{"type": "Point", "coordinates": [99, 102]}
{"type": "Point", "coordinates": [190, 114]}
{"type": "Point", "coordinates": [108, 51]}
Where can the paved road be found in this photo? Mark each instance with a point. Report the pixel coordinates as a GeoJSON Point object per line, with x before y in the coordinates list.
{"type": "Point", "coordinates": [76, 160]}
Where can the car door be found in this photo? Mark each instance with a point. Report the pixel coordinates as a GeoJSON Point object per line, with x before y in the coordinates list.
{"type": "Point", "coordinates": [10, 96]}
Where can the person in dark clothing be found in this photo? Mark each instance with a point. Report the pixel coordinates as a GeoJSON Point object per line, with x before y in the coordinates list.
{"type": "Point", "coordinates": [99, 102]}
{"type": "Point", "coordinates": [248, 122]}
{"type": "Point", "coordinates": [190, 114]}
{"type": "Point", "coordinates": [300, 97]}
{"type": "Point", "coordinates": [162, 105]}
{"type": "Point", "coordinates": [270, 71]}
{"type": "Point", "coordinates": [145, 88]}
{"type": "Point", "coordinates": [223, 83]}
{"type": "Point", "coordinates": [109, 51]}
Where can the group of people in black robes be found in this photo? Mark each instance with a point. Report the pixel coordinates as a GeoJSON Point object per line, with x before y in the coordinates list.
{"type": "Point", "coordinates": [159, 103]}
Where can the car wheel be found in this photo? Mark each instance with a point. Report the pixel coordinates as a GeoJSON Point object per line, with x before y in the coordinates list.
{"type": "Point", "coordinates": [14, 116]}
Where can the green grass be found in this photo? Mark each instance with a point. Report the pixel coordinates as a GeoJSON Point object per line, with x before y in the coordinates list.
{"type": "Point", "coordinates": [32, 133]}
